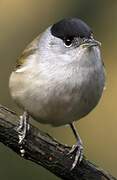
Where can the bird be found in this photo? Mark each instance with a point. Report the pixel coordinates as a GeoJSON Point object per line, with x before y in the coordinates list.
{"type": "Point", "coordinates": [59, 78]}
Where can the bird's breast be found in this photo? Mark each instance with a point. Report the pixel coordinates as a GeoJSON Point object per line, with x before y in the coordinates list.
{"type": "Point", "coordinates": [63, 96]}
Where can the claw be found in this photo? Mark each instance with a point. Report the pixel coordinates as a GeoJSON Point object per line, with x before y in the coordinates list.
{"type": "Point", "coordinates": [78, 151]}
{"type": "Point", "coordinates": [22, 130]}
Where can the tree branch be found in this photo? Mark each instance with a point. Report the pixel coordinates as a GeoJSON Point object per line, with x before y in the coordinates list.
{"type": "Point", "coordinates": [47, 152]}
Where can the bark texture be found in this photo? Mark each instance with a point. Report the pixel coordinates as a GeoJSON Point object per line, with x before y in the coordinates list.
{"type": "Point", "coordinates": [46, 151]}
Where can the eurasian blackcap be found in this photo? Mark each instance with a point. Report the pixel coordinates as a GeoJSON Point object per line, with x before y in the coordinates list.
{"type": "Point", "coordinates": [59, 78]}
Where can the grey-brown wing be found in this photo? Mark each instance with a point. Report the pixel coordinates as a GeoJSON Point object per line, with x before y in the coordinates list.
{"type": "Point", "coordinates": [30, 49]}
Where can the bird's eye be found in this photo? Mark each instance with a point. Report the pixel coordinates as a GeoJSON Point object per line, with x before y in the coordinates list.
{"type": "Point", "coordinates": [68, 42]}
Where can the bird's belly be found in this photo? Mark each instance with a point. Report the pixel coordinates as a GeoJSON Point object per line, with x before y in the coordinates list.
{"type": "Point", "coordinates": [60, 100]}
{"type": "Point", "coordinates": [62, 104]}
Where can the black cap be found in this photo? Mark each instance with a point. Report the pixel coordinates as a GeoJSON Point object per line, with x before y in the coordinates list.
{"type": "Point", "coordinates": [71, 27]}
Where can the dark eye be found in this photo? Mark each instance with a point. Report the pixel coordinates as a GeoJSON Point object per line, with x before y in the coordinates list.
{"type": "Point", "coordinates": [68, 42]}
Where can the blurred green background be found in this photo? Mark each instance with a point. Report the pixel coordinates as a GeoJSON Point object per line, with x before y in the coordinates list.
{"type": "Point", "coordinates": [20, 22]}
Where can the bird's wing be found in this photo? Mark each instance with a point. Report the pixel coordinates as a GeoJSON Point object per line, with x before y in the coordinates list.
{"type": "Point", "coordinates": [30, 49]}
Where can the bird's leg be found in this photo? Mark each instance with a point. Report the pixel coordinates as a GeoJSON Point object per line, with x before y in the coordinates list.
{"type": "Point", "coordinates": [22, 130]}
{"type": "Point", "coordinates": [78, 148]}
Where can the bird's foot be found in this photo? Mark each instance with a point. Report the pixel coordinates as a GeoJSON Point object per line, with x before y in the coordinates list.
{"type": "Point", "coordinates": [78, 151]}
{"type": "Point", "coordinates": [22, 131]}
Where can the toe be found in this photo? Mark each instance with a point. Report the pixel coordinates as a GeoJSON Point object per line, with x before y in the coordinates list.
{"type": "Point", "coordinates": [77, 152]}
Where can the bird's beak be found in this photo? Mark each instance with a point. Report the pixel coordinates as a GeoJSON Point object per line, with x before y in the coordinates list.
{"type": "Point", "coordinates": [90, 43]}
